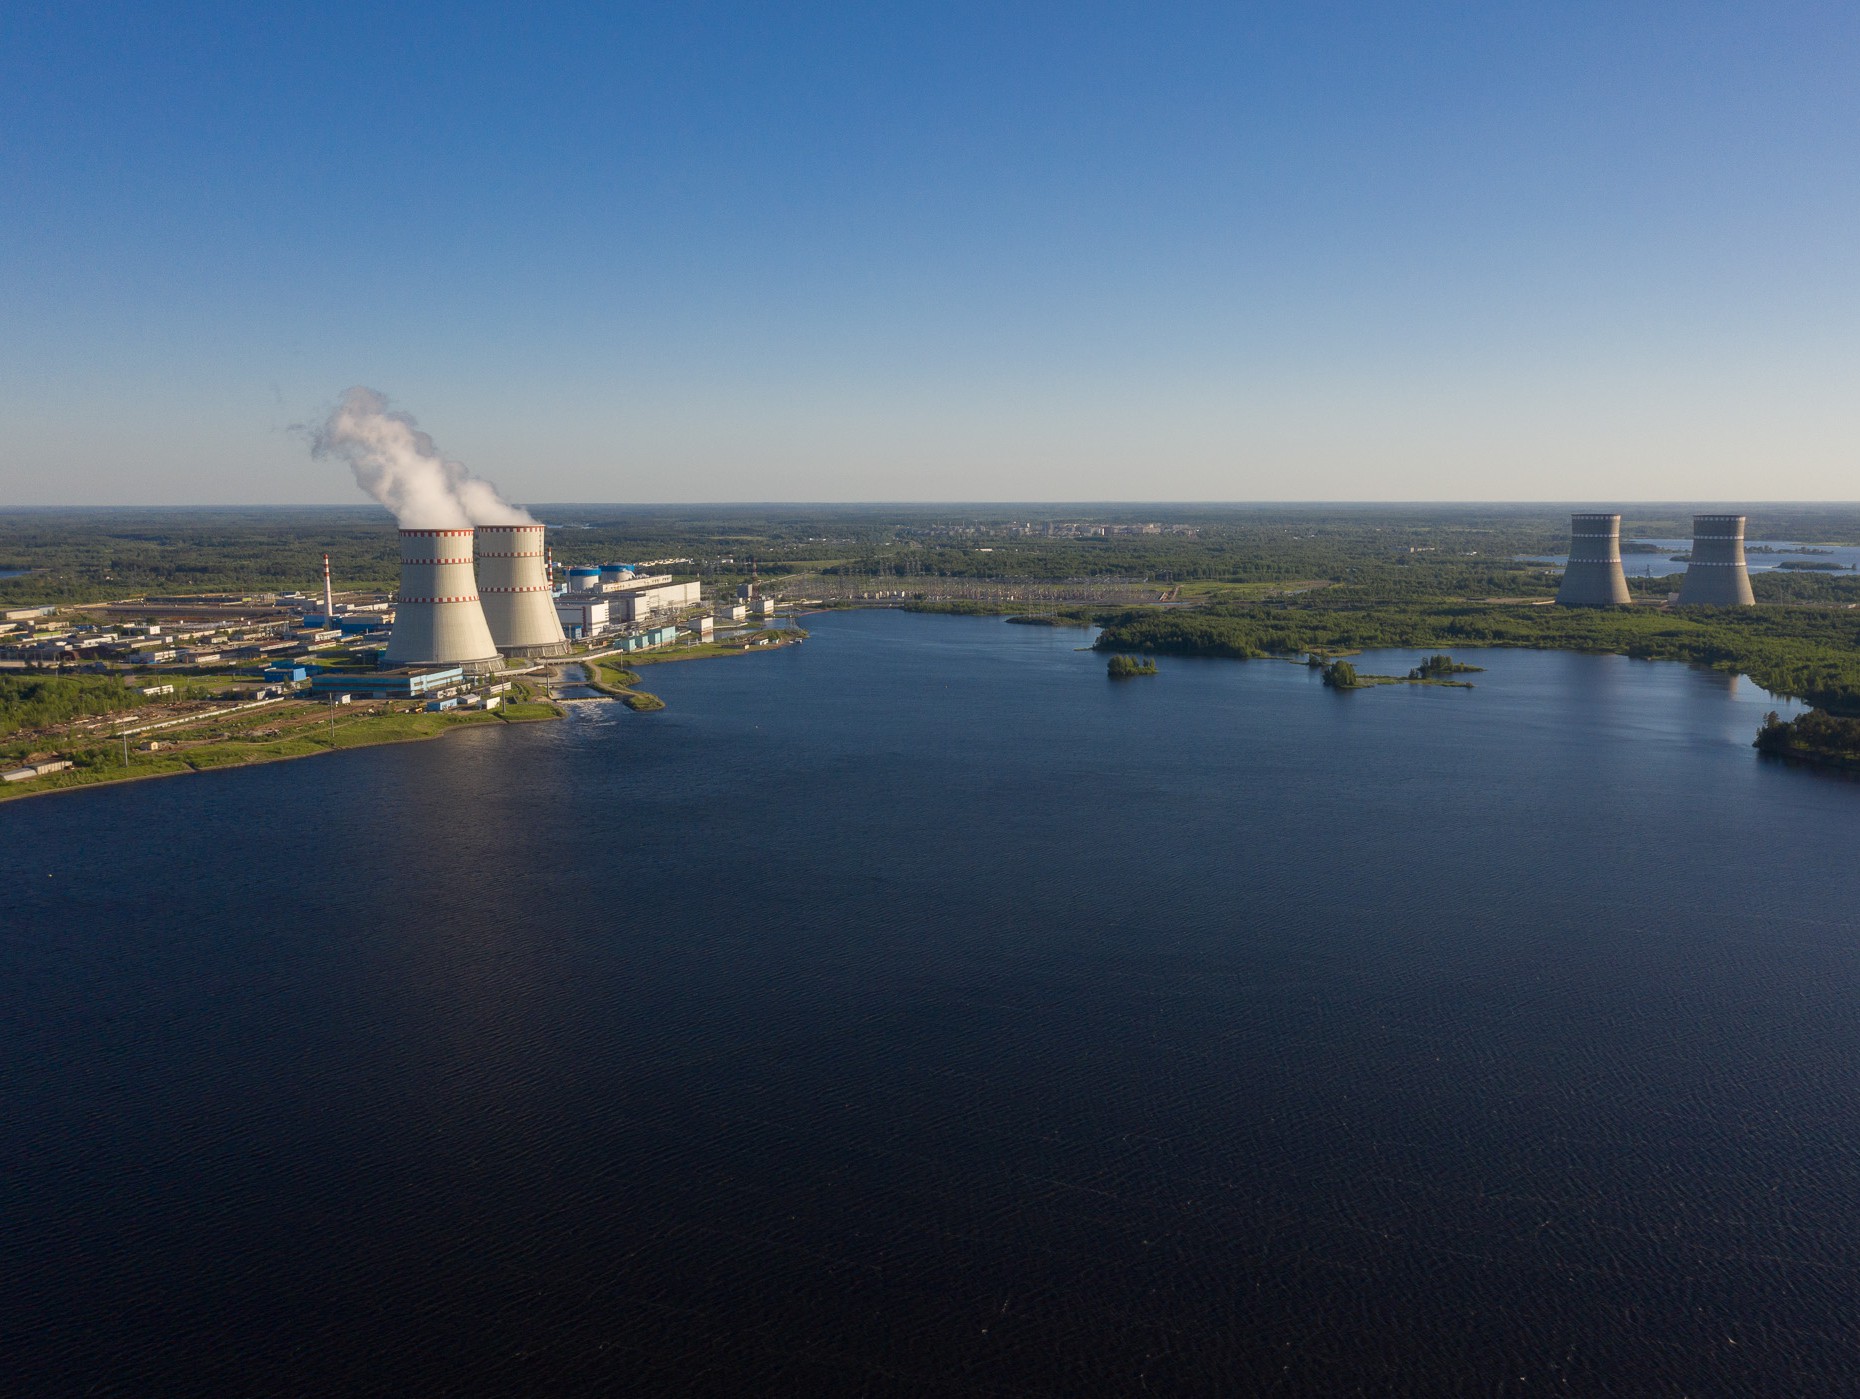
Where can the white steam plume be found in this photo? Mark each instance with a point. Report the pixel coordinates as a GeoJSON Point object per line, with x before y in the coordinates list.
{"type": "Point", "coordinates": [398, 465]}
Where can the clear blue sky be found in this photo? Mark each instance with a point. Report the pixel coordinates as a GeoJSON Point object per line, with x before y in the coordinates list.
{"type": "Point", "coordinates": [938, 252]}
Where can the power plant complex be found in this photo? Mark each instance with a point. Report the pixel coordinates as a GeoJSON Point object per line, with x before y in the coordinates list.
{"type": "Point", "coordinates": [472, 597]}
{"type": "Point", "coordinates": [1716, 572]}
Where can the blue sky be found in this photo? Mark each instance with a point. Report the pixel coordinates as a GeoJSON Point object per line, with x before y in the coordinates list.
{"type": "Point", "coordinates": [951, 252]}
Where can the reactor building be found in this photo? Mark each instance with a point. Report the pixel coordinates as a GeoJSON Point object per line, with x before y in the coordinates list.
{"type": "Point", "coordinates": [515, 591]}
{"type": "Point", "coordinates": [1717, 575]}
{"type": "Point", "coordinates": [1594, 577]}
{"type": "Point", "coordinates": [438, 619]}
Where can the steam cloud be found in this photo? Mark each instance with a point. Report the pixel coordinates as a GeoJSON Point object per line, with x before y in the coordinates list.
{"type": "Point", "coordinates": [398, 465]}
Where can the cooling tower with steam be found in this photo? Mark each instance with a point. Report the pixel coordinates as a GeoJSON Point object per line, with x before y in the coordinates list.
{"type": "Point", "coordinates": [1593, 577]}
{"type": "Point", "coordinates": [513, 585]}
{"type": "Point", "coordinates": [1717, 576]}
{"type": "Point", "coordinates": [437, 617]}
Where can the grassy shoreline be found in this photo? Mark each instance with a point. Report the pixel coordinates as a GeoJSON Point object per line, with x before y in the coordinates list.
{"type": "Point", "coordinates": [364, 731]}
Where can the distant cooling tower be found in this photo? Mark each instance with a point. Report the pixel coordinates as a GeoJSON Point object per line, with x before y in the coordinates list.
{"type": "Point", "coordinates": [1717, 577]}
{"type": "Point", "coordinates": [437, 617]}
{"type": "Point", "coordinates": [1594, 577]}
{"type": "Point", "coordinates": [513, 582]}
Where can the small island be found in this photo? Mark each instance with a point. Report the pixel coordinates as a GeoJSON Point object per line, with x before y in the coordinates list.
{"type": "Point", "coordinates": [1124, 667]}
{"type": "Point", "coordinates": [1341, 675]}
{"type": "Point", "coordinates": [1438, 667]}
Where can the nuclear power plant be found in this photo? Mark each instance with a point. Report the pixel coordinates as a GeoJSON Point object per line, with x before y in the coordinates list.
{"type": "Point", "coordinates": [1594, 577]}
{"type": "Point", "coordinates": [1717, 575]}
{"type": "Point", "coordinates": [438, 619]}
{"type": "Point", "coordinates": [515, 591]}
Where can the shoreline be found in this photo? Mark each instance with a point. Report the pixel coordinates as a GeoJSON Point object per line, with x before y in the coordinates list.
{"type": "Point", "coordinates": [438, 726]}
{"type": "Point", "coordinates": [320, 747]}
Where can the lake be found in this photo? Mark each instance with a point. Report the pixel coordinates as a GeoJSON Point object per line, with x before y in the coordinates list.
{"type": "Point", "coordinates": [915, 1011]}
{"type": "Point", "coordinates": [1762, 556]}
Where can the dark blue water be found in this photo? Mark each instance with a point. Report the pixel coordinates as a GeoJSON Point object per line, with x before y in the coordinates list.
{"type": "Point", "coordinates": [916, 1012]}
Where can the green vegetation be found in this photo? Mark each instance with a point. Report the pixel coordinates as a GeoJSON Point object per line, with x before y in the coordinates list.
{"type": "Point", "coordinates": [1828, 740]}
{"type": "Point", "coordinates": [40, 701]}
{"type": "Point", "coordinates": [528, 711]}
{"type": "Point", "coordinates": [1124, 667]}
{"type": "Point", "coordinates": [1438, 667]}
{"type": "Point", "coordinates": [610, 677]}
{"type": "Point", "coordinates": [1810, 653]}
{"type": "Point", "coordinates": [1341, 675]}
{"type": "Point", "coordinates": [1072, 618]}
{"type": "Point", "coordinates": [272, 737]}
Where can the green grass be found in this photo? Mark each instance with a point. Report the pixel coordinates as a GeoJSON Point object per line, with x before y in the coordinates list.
{"type": "Point", "coordinates": [103, 762]}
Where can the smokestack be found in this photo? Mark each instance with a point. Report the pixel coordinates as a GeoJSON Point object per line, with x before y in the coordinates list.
{"type": "Point", "coordinates": [1717, 577]}
{"type": "Point", "coordinates": [329, 598]}
{"type": "Point", "coordinates": [1594, 577]}
{"type": "Point", "coordinates": [437, 617]}
{"type": "Point", "coordinates": [518, 602]}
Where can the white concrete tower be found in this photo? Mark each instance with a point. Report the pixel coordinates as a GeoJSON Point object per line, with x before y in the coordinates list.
{"type": "Point", "coordinates": [1717, 575]}
{"type": "Point", "coordinates": [1593, 577]}
{"type": "Point", "coordinates": [513, 585]}
{"type": "Point", "coordinates": [437, 617]}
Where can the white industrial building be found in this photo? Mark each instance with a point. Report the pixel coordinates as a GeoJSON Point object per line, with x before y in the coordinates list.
{"type": "Point", "coordinates": [583, 616]}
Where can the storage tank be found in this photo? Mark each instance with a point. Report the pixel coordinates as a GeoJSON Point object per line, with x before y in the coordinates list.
{"type": "Point", "coordinates": [514, 588]}
{"type": "Point", "coordinates": [1717, 575]}
{"type": "Point", "coordinates": [1594, 577]}
{"type": "Point", "coordinates": [615, 572]}
{"type": "Point", "coordinates": [437, 617]}
{"type": "Point", "coordinates": [584, 580]}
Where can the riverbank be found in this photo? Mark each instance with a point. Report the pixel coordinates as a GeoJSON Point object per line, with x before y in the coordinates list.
{"type": "Point", "coordinates": [616, 674]}
{"type": "Point", "coordinates": [310, 736]}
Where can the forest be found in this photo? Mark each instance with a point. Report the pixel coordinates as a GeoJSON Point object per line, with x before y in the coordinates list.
{"type": "Point", "coordinates": [1378, 553]}
{"type": "Point", "coordinates": [1809, 653]}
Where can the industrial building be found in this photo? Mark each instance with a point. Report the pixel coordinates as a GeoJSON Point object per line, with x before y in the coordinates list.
{"type": "Point", "coordinates": [646, 640]}
{"type": "Point", "coordinates": [404, 684]}
{"type": "Point", "coordinates": [614, 595]}
{"type": "Point", "coordinates": [1717, 575]}
{"type": "Point", "coordinates": [582, 617]}
{"type": "Point", "coordinates": [515, 593]}
{"type": "Point", "coordinates": [1593, 577]}
{"type": "Point", "coordinates": [438, 619]}
{"type": "Point", "coordinates": [647, 597]}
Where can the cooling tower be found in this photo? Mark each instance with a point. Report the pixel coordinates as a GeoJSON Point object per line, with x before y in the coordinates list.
{"type": "Point", "coordinates": [1716, 577]}
{"type": "Point", "coordinates": [437, 618]}
{"type": "Point", "coordinates": [513, 583]}
{"type": "Point", "coordinates": [1594, 577]}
